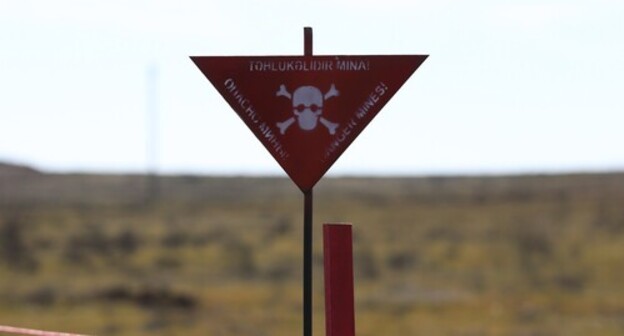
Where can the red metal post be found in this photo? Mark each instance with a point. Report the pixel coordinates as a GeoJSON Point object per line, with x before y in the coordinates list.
{"type": "Point", "coordinates": [339, 297]}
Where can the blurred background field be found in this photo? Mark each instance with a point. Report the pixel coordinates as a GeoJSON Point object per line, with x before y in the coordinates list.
{"type": "Point", "coordinates": [511, 255]}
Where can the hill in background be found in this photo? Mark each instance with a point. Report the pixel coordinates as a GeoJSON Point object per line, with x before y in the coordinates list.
{"type": "Point", "coordinates": [7, 169]}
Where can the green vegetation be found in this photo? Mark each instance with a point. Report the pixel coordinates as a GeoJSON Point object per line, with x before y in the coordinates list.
{"type": "Point", "coordinates": [527, 255]}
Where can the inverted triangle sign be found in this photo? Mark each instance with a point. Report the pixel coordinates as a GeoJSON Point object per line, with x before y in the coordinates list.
{"type": "Point", "coordinates": [306, 110]}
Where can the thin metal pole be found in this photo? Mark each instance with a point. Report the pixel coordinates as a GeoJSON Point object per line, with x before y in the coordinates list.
{"type": "Point", "coordinates": [307, 263]}
{"type": "Point", "coordinates": [307, 41]}
{"type": "Point", "coordinates": [307, 226]}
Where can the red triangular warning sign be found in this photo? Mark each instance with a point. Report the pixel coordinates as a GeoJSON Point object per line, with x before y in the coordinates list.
{"type": "Point", "coordinates": [306, 110]}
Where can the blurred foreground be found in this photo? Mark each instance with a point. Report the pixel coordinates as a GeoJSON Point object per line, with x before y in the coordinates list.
{"type": "Point", "coordinates": [534, 255]}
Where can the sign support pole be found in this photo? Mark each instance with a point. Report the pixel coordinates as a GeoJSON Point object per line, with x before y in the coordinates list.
{"type": "Point", "coordinates": [307, 226]}
{"type": "Point", "coordinates": [307, 264]}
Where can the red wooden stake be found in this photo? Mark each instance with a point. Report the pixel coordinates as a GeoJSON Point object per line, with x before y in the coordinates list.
{"type": "Point", "coordinates": [339, 299]}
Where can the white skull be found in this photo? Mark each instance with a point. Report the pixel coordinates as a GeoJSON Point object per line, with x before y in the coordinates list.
{"type": "Point", "coordinates": [307, 102]}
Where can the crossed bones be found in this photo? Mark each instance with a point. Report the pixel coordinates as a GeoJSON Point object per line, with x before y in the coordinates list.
{"type": "Point", "coordinates": [307, 102]}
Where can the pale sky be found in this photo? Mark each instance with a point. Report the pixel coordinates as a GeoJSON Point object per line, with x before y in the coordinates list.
{"type": "Point", "coordinates": [509, 87]}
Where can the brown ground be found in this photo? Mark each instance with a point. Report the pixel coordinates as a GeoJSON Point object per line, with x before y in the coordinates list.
{"type": "Point", "coordinates": [522, 255]}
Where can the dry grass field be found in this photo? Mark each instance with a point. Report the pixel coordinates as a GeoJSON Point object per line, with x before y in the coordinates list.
{"type": "Point", "coordinates": [514, 255]}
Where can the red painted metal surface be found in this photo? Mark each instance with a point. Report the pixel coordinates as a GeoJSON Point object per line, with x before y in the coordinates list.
{"type": "Point", "coordinates": [339, 297]}
{"type": "Point", "coordinates": [306, 110]}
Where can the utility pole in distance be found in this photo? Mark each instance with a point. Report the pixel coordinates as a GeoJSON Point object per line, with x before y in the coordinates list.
{"type": "Point", "coordinates": [152, 190]}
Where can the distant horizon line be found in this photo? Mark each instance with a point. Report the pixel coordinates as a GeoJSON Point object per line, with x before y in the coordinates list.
{"type": "Point", "coordinates": [340, 174]}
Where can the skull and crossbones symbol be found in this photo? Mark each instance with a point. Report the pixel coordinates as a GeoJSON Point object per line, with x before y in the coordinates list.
{"type": "Point", "coordinates": [307, 105]}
